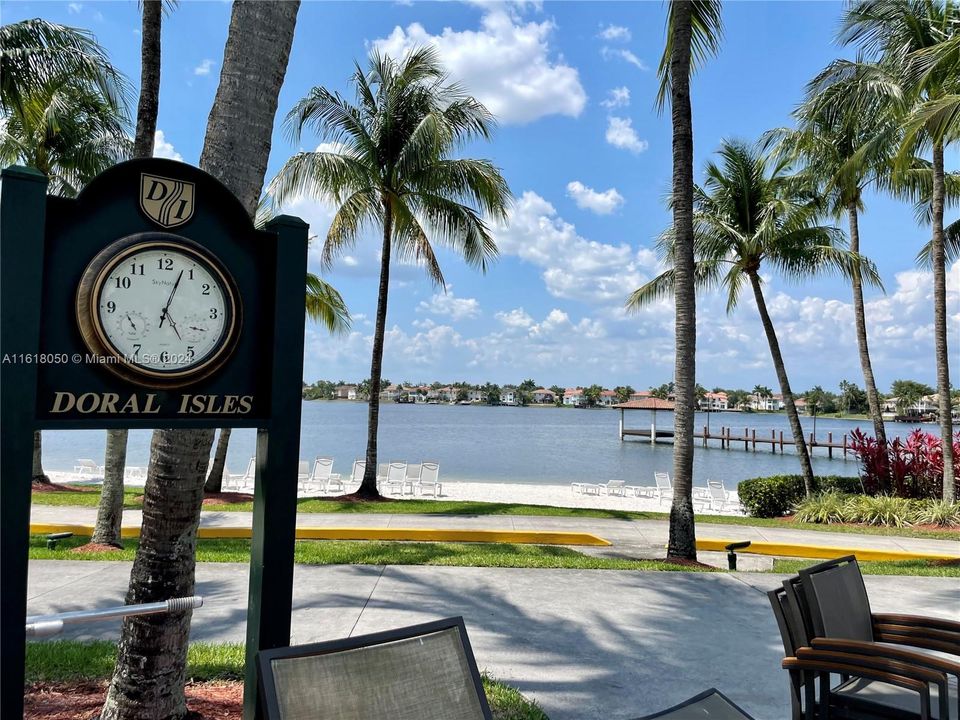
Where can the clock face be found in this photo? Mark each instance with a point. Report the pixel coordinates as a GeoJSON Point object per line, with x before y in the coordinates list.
{"type": "Point", "coordinates": [162, 306]}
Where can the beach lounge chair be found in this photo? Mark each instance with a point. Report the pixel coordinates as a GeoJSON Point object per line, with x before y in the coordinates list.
{"type": "Point", "coordinates": [245, 481]}
{"type": "Point", "coordinates": [323, 478]}
{"type": "Point", "coordinates": [134, 473]}
{"type": "Point", "coordinates": [585, 488]}
{"type": "Point", "coordinates": [303, 475]}
{"type": "Point", "coordinates": [719, 498]}
{"type": "Point", "coordinates": [396, 477]}
{"type": "Point", "coordinates": [429, 479]}
{"type": "Point", "coordinates": [876, 681]}
{"type": "Point", "coordinates": [86, 467]}
{"type": "Point", "coordinates": [356, 473]}
{"type": "Point", "coordinates": [412, 477]}
{"type": "Point", "coordinates": [613, 487]}
{"type": "Point", "coordinates": [663, 490]}
{"type": "Point", "coordinates": [708, 705]}
{"type": "Point", "coordinates": [382, 469]}
{"type": "Point", "coordinates": [422, 672]}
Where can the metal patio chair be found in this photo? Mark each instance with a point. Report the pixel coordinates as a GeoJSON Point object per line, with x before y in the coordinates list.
{"type": "Point", "coordinates": [709, 705]}
{"type": "Point", "coordinates": [422, 672]}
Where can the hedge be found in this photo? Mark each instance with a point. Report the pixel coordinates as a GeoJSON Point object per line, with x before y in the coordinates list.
{"type": "Point", "coordinates": [774, 496]}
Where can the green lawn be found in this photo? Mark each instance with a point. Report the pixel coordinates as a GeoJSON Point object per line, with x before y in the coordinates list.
{"type": "Point", "coordinates": [925, 568]}
{"type": "Point", "coordinates": [90, 498]}
{"type": "Point", "coordinates": [360, 552]}
{"type": "Point", "coordinates": [71, 660]}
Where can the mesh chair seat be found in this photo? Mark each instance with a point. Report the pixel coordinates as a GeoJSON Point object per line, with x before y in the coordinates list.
{"type": "Point", "coordinates": [885, 695]}
{"type": "Point", "coordinates": [708, 705]}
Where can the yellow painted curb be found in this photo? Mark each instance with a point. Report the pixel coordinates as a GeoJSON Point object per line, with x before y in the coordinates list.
{"type": "Point", "coordinates": [820, 551]}
{"type": "Point", "coordinates": [371, 533]}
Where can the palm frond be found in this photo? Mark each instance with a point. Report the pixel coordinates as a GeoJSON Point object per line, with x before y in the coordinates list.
{"type": "Point", "coordinates": [951, 247]}
{"type": "Point", "coordinates": [325, 305]}
{"type": "Point", "coordinates": [706, 27]}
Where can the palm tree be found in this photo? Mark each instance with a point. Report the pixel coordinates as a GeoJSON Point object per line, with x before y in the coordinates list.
{"type": "Point", "coordinates": [918, 41]}
{"type": "Point", "coordinates": [846, 139]}
{"type": "Point", "coordinates": [747, 215]}
{"type": "Point", "coordinates": [64, 113]}
{"type": "Point", "coordinates": [149, 676]}
{"type": "Point", "coordinates": [694, 29]}
{"type": "Point", "coordinates": [392, 168]}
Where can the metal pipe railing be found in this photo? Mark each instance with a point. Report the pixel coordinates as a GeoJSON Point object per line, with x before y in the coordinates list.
{"type": "Point", "coordinates": [39, 626]}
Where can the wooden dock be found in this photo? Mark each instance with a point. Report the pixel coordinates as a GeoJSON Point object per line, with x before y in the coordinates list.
{"type": "Point", "coordinates": [749, 438]}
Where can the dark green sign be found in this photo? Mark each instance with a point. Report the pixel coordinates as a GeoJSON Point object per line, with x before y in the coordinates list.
{"type": "Point", "coordinates": [150, 301]}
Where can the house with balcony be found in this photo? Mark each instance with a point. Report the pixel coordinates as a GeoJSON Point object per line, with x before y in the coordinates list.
{"type": "Point", "coordinates": [509, 395]}
{"type": "Point", "coordinates": [714, 401]}
{"type": "Point", "coordinates": [573, 397]}
{"type": "Point", "coordinates": [608, 398]}
{"type": "Point", "coordinates": [390, 393]}
{"type": "Point", "coordinates": [345, 392]}
{"type": "Point", "coordinates": [542, 396]}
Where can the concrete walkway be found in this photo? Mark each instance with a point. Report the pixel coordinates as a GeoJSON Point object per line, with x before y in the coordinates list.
{"type": "Point", "coordinates": [587, 644]}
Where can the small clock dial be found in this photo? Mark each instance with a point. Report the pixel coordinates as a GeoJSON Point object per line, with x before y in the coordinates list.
{"type": "Point", "coordinates": [161, 305]}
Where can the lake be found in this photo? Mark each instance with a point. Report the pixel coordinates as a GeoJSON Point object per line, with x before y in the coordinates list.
{"type": "Point", "coordinates": [506, 444]}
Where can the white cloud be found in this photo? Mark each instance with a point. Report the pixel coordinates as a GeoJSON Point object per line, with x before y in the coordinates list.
{"type": "Point", "coordinates": [506, 64]}
{"type": "Point", "coordinates": [444, 303]}
{"type": "Point", "coordinates": [164, 149]}
{"type": "Point", "coordinates": [74, 8]}
{"type": "Point", "coordinates": [618, 97]}
{"type": "Point", "coordinates": [586, 198]}
{"type": "Point", "coordinates": [516, 318]}
{"type": "Point", "coordinates": [615, 33]}
{"type": "Point", "coordinates": [620, 134]}
{"type": "Point", "coordinates": [574, 268]}
{"type": "Point", "coordinates": [609, 53]}
{"type": "Point", "coordinates": [204, 67]}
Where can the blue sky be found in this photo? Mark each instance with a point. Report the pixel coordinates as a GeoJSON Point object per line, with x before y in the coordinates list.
{"type": "Point", "coordinates": [589, 160]}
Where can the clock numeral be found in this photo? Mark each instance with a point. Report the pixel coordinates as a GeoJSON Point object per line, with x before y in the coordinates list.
{"type": "Point", "coordinates": [213, 313]}
{"type": "Point", "coordinates": [136, 269]}
{"type": "Point", "coordinates": [164, 357]}
{"type": "Point", "coordinates": [190, 353]}
{"type": "Point", "coordinates": [190, 274]}
{"type": "Point", "coordinates": [165, 264]}
{"type": "Point", "coordinates": [136, 349]}
{"type": "Point", "coordinates": [206, 289]}
{"type": "Point", "coordinates": [111, 307]}
{"type": "Point", "coordinates": [123, 282]}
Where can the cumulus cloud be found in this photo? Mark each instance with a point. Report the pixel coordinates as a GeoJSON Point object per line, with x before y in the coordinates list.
{"type": "Point", "coordinates": [620, 134]}
{"type": "Point", "coordinates": [618, 97]}
{"type": "Point", "coordinates": [164, 149]}
{"type": "Point", "coordinates": [609, 53]}
{"type": "Point", "coordinates": [516, 318]}
{"type": "Point", "coordinates": [615, 33]}
{"type": "Point", "coordinates": [574, 267]}
{"type": "Point", "coordinates": [204, 67]}
{"type": "Point", "coordinates": [586, 198]}
{"type": "Point", "coordinates": [453, 307]}
{"type": "Point", "coordinates": [507, 64]}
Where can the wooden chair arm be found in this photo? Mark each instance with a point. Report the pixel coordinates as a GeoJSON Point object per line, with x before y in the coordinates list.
{"type": "Point", "coordinates": [859, 647]}
{"type": "Point", "coordinates": [876, 662]}
{"type": "Point", "coordinates": [916, 620]}
{"type": "Point", "coordinates": [928, 637]}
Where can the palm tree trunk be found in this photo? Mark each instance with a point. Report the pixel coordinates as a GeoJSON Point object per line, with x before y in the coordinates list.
{"type": "Point", "coordinates": [801, 445]}
{"type": "Point", "coordinates": [683, 540]}
{"type": "Point", "coordinates": [938, 257]}
{"type": "Point", "coordinates": [151, 661]}
{"type": "Point", "coordinates": [151, 664]}
{"type": "Point", "coordinates": [860, 319]}
{"type": "Point", "coordinates": [368, 488]}
{"type": "Point", "coordinates": [110, 507]}
{"type": "Point", "coordinates": [214, 482]}
{"type": "Point", "coordinates": [148, 104]}
{"type": "Point", "coordinates": [38, 475]}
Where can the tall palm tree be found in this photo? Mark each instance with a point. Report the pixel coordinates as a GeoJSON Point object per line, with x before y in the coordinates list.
{"type": "Point", "coordinates": [748, 216]}
{"type": "Point", "coordinates": [845, 140]}
{"type": "Point", "coordinates": [914, 41]}
{"type": "Point", "coordinates": [149, 677]}
{"type": "Point", "coordinates": [694, 29]}
{"type": "Point", "coordinates": [392, 168]}
{"type": "Point", "coordinates": [63, 108]}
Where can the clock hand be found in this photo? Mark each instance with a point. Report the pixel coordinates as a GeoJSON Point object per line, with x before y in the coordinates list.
{"type": "Point", "coordinates": [132, 323]}
{"type": "Point", "coordinates": [163, 313]}
{"type": "Point", "coordinates": [172, 323]}
{"type": "Point", "coordinates": [196, 328]}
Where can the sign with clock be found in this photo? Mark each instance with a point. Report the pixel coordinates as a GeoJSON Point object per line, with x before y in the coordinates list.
{"type": "Point", "coordinates": [149, 301]}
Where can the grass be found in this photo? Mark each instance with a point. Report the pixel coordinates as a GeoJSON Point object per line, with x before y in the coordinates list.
{"type": "Point", "coordinates": [360, 552]}
{"type": "Point", "coordinates": [473, 509]}
{"type": "Point", "coordinates": [71, 660]}
{"type": "Point", "coordinates": [925, 568]}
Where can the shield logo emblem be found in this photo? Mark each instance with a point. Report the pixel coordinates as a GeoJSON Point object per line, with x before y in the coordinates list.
{"type": "Point", "coordinates": [166, 201]}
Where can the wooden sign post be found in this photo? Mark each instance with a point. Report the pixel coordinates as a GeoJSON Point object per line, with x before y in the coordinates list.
{"type": "Point", "coordinates": [150, 301]}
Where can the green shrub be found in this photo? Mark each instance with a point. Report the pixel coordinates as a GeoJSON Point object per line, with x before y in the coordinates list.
{"type": "Point", "coordinates": [938, 512]}
{"type": "Point", "coordinates": [880, 510]}
{"type": "Point", "coordinates": [828, 507]}
{"type": "Point", "coordinates": [776, 495]}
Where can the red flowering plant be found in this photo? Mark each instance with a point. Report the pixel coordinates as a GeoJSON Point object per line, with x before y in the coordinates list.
{"type": "Point", "coordinates": [911, 468]}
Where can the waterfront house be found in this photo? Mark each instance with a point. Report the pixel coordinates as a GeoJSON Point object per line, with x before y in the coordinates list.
{"type": "Point", "coordinates": [390, 393]}
{"type": "Point", "coordinates": [573, 397]}
{"type": "Point", "coordinates": [640, 395]}
{"type": "Point", "coordinates": [714, 401]}
{"type": "Point", "coordinates": [476, 395]}
{"type": "Point", "coordinates": [608, 398]}
{"type": "Point", "coordinates": [346, 392]}
{"type": "Point", "coordinates": [542, 396]}
{"type": "Point", "coordinates": [772, 403]}
{"type": "Point", "coordinates": [509, 395]}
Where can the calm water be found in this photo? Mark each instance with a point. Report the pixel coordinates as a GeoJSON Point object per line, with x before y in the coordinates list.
{"type": "Point", "coordinates": [504, 444]}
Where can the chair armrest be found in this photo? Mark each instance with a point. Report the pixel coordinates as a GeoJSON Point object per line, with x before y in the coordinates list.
{"type": "Point", "coordinates": [875, 662]}
{"type": "Point", "coordinates": [859, 647]}
{"type": "Point", "coordinates": [917, 620]}
{"type": "Point", "coordinates": [916, 631]}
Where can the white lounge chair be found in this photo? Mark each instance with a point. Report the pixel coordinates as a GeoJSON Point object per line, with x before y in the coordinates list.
{"type": "Point", "coordinates": [382, 474]}
{"type": "Point", "coordinates": [412, 477]}
{"type": "Point", "coordinates": [429, 479]}
{"type": "Point", "coordinates": [664, 488]}
{"type": "Point", "coordinates": [87, 468]}
{"type": "Point", "coordinates": [613, 487]}
{"type": "Point", "coordinates": [585, 488]}
{"type": "Point", "coordinates": [133, 472]}
{"type": "Point", "coordinates": [396, 477]}
{"type": "Point", "coordinates": [303, 475]}
{"type": "Point", "coordinates": [245, 481]}
{"type": "Point", "coordinates": [720, 497]}
{"type": "Point", "coordinates": [356, 473]}
{"type": "Point", "coordinates": [323, 477]}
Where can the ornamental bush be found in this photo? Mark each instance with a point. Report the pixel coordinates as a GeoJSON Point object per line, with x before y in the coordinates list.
{"type": "Point", "coordinates": [911, 468]}
{"type": "Point", "coordinates": [885, 510]}
{"type": "Point", "coordinates": [776, 495]}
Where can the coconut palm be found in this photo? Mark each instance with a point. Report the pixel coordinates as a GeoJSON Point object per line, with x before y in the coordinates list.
{"type": "Point", "coordinates": [748, 216]}
{"type": "Point", "coordinates": [916, 42]}
{"type": "Point", "coordinates": [391, 167]}
{"type": "Point", "coordinates": [694, 29]}
{"type": "Point", "coordinates": [149, 677]}
{"type": "Point", "coordinates": [845, 140]}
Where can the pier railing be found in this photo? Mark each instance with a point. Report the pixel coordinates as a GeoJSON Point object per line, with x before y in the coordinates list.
{"type": "Point", "coordinates": [749, 439]}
